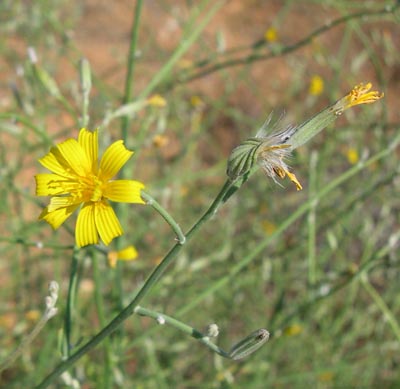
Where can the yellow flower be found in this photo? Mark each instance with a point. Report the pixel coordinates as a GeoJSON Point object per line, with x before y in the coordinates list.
{"type": "Point", "coordinates": [352, 156]}
{"type": "Point", "coordinates": [360, 95]}
{"type": "Point", "coordinates": [196, 101]}
{"type": "Point", "coordinates": [268, 227]}
{"type": "Point", "coordinates": [316, 86]}
{"type": "Point", "coordinates": [157, 101]}
{"type": "Point", "coordinates": [32, 315]}
{"type": "Point", "coordinates": [160, 140]}
{"type": "Point", "coordinates": [271, 35]}
{"type": "Point", "coordinates": [127, 254]}
{"type": "Point", "coordinates": [292, 330]}
{"type": "Point", "coordinates": [78, 179]}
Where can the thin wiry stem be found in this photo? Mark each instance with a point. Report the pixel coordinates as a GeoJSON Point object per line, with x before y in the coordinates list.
{"type": "Point", "coordinates": [166, 216]}
{"type": "Point", "coordinates": [50, 312]}
{"type": "Point", "coordinates": [131, 66]}
{"type": "Point", "coordinates": [312, 224]}
{"type": "Point", "coordinates": [73, 279]}
{"type": "Point", "coordinates": [161, 318]}
{"type": "Point", "coordinates": [184, 46]}
{"type": "Point", "coordinates": [242, 349]}
{"type": "Point", "coordinates": [207, 68]}
{"type": "Point", "coordinates": [381, 304]}
{"type": "Point", "coordinates": [108, 360]}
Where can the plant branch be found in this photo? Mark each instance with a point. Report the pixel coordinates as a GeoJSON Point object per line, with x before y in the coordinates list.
{"type": "Point", "coordinates": [240, 350]}
{"type": "Point", "coordinates": [131, 66]}
{"type": "Point", "coordinates": [381, 304]}
{"type": "Point", "coordinates": [165, 215]}
{"type": "Point", "coordinates": [161, 318]}
{"type": "Point", "coordinates": [258, 56]}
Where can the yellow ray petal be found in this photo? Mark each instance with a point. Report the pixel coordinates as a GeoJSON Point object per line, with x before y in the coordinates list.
{"type": "Point", "coordinates": [107, 223]}
{"type": "Point", "coordinates": [294, 179]}
{"type": "Point", "coordinates": [53, 184]}
{"type": "Point", "coordinates": [75, 156]}
{"type": "Point", "coordinates": [56, 163]}
{"type": "Point", "coordinates": [50, 184]}
{"type": "Point", "coordinates": [62, 202]}
{"type": "Point", "coordinates": [86, 232]}
{"type": "Point", "coordinates": [113, 159]}
{"type": "Point", "coordinates": [89, 142]}
{"type": "Point", "coordinates": [360, 95]}
{"type": "Point", "coordinates": [127, 254]}
{"type": "Point", "coordinates": [57, 217]}
{"type": "Point", "coordinates": [124, 191]}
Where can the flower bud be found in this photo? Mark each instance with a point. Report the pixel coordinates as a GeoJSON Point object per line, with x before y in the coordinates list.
{"type": "Point", "coordinates": [249, 344]}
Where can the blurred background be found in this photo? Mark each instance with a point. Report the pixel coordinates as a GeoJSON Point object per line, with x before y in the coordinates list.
{"type": "Point", "coordinates": [324, 281]}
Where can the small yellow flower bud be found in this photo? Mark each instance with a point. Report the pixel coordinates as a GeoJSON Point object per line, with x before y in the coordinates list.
{"type": "Point", "coordinates": [316, 86]}
{"type": "Point", "coordinates": [352, 156]}
{"type": "Point", "coordinates": [271, 35]}
{"type": "Point", "coordinates": [157, 101]}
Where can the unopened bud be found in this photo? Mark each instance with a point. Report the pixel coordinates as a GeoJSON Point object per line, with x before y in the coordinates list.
{"type": "Point", "coordinates": [243, 158]}
{"type": "Point", "coordinates": [249, 345]}
{"type": "Point", "coordinates": [51, 313]}
{"type": "Point", "coordinates": [53, 288]}
{"type": "Point", "coordinates": [49, 302]}
{"type": "Point", "coordinates": [212, 330]}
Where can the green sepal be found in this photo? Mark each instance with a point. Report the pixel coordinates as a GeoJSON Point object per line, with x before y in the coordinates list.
{"type": "Point", "coordinates": [242, 158]}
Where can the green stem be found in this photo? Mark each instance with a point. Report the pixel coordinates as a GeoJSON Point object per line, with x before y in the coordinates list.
{"type": "Point", "coordinates": [40, 132]}
{"type": "Point", "coordinates": [161, 318]}
{"type": "Point", "coordinates": [73, 278]}
{"type": "Point", "coordinates": [240, 350]}
{"type": "Point", "coordinates": [166, 216]}
{"type": "Point", "coordinates": [221, 198]}
{"type": "Point", "coordinates": [131, 66]}
{"type": "Point", "coordinates": [150, 282]}
{"type": "Point", "coordinates": [107, 372]}
{"type": "Point", "coordinates": [24, 344]}
{"type": "Point", "coordinates": [365, 267]}
{"type": "Point", "coordinates": [128, 92]}
{"type": "Point", "coordinates": [381, 305]}
{"type": "Point", "coordinates": [312, 229]}
{"type": "Point", "coordinates": [86, 85]}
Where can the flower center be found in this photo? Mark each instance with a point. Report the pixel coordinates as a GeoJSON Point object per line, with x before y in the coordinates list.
{"type": "Point", "coordinates": [92, 188]}
{"type": "Point", "coordinates": [97, 193]}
